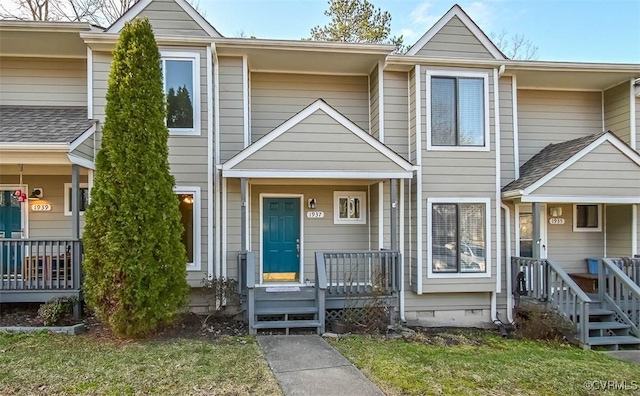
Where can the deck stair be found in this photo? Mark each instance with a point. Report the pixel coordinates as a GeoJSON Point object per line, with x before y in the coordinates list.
{"type": "Point", "coordinates": [285, 307]}
{"type": "Point", "coordinates": [607, 319]}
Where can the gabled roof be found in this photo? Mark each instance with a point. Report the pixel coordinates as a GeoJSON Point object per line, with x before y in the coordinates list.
{"type": "Point", "coordinates": [457, 11]}
{"type": "Point", "coordinates": [37, 124]}
{"type": "Point", "coordinates": [555, 158]}
{"type": "Point", "coordinates": [138, 7]}
{"type": "Point", "coordinates": [318, 142]}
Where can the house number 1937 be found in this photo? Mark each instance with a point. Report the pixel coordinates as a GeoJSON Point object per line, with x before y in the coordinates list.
{"type": "Point", "coordinates": [315, 215]}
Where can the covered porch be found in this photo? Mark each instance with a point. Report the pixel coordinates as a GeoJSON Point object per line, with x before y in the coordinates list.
{"type": "Point", "coordinates": [313, 207]}
{"type": "Point", "coordinates": [45, 179]}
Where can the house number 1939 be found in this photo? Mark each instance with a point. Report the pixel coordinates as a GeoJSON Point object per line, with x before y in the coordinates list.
{"type": "Point", "coordinates": [41, 207]}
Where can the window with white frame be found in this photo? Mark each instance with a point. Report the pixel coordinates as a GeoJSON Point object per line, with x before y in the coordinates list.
{"type": "Point", "coordinates": [458, 237]}
{"type": "Point", "coordinates": [349, 207]}
{"type": "Point", "coordinates": [181, 86]}
{"type": "Point", "coordinates": [587, 218]}
{"type": "Point", "coordinates": [457, 111]}
{"type": "Point", "coordinates": [84, 198]}
{"type": "Point", "coordinates": [189, 206]}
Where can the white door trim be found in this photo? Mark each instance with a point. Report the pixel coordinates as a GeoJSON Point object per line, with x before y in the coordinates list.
{"type": "Point", "coordinates": [24, 215]}
{"type": "Point", "coordinates": [278, 195]}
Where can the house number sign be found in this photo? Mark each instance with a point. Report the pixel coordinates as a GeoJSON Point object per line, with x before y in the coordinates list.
{"type": "Point", "coordinates": [556, 221]}
{"type": "Point", "coordinates": [41, 208]}
{"type": "Point", "coordinates": [316, 214]}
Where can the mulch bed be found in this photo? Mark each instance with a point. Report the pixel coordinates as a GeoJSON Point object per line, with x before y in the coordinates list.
{"type": "Point", "coordinates": [188, 325]}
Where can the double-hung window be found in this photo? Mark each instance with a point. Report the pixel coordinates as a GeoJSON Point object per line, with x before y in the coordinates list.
{"type": "Point", "coordinates": [181, 80]}
{"type": "Point", "coordinates": [458, 236]}
{"type": "Point", "coordinates": [457, 111]}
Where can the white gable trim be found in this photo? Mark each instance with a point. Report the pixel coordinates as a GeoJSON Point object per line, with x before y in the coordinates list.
{"type": "Point", "coordinates": [84, 136]}
{"type": "Point", "coordinates": [468, 22]}
{"type": "Point", "coordinates": [142, 4]}
{"type": "Point", "coordinates": [309, 110]}
{"type": "Point", "coordinates": [607, 137]}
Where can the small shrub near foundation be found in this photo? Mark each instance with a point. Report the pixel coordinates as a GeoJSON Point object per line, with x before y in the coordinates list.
{"type": "Point", "coordinates": [53, 311]}
{"type": "Point", "coordinates": [538, 323]}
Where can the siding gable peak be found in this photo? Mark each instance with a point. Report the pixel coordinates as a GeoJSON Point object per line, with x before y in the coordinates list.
{"type": "Point", "coordinates": [456, 17]}
{"type": "Point", "coordinates": [197, 21]}
{"type": "Point", "coordinates": [314, 121]}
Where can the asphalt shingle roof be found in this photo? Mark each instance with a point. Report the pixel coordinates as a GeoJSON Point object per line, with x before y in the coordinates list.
{"type": "Point", "coordinates": [548, 159]}
{"type": "Point", "coordinates": [38, 124]}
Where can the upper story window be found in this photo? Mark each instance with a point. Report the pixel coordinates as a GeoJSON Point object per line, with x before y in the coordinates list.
{"type": "Point", "coordinates": [457, 111]}
{"type": "Point", "coordinates": [181, 87]}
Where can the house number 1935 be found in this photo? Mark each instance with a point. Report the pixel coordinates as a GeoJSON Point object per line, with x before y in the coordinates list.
{"type": "Point", "coordinates": [556, 221]}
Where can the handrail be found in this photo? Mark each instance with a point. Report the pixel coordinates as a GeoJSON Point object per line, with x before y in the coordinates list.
{"type": "Point", "coordinates": [620, 292]}
{"type": "Point", "coordinates": [547, 281]}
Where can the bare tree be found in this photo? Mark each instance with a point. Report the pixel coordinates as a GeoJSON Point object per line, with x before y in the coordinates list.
{"type": "Point", "coordinates": [98, 12]}
{"type": "Point", "coordinates": [516, 46]}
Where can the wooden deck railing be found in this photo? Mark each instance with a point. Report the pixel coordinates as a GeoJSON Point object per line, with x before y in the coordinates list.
{"type": "Point", "coordinates": [619, 290]}
{"type": "Point", "coordinates": [361, 272]}
{"type": "Point", "coordinates": [34, 264]}
{"type": "Point", "coordinates": [545, 280]}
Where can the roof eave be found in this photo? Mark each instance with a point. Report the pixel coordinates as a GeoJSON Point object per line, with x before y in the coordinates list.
{"type": "Point", "coordinates": [512, 194]}
{"type": "Point", "coordinates": [41, 26]}
{"type": "Point", "coordinates": [304, 45]}
{"type": "Point", "coordinates": [34, 146]}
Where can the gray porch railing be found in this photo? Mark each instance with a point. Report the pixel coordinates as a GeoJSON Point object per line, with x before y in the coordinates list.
{"type": "Point", "coordinates": [321, 288]}
{"type": "Point", "coordinates": [629, 266]}
{"type": "Point", "coordinates": [545, 280]}
{"type": "Point", "coordinates": [618, 289]}
{"type": "Point", "coordinates": [33, 264]}
{"type": "Point", "coordinates": [360, 272]}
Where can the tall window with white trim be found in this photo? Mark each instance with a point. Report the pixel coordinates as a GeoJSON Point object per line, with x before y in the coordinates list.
{"type": "Point", "coordinates": [457, 111]}
{"type": "Point", "coordinates": [181, 86]}
{"type": "Point", "coordinates": [189, 206]}
{"type": "Point", "coordinates": [458, 237]}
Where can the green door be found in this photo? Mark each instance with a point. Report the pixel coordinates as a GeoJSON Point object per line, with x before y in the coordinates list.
{"type": "Point", "coordinates": [10, 227]}
{"type": "Point", "coordinates": [281, 238]}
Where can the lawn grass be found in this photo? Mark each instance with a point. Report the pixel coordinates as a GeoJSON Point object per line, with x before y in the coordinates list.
{"type": "Point", "coordinates": [57, 364]}
{"type": "Point", "coordinates": [486, 366]}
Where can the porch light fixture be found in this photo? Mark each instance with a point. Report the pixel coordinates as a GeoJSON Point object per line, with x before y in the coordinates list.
{"type": "Point", "coordinates": [555, 211]}
{"type": "Point", "coordinates": [36, 193]}
{"type": "Point", "coordinates": [188, 199]}
{"type": "Point", "coordinates": [311, 203]}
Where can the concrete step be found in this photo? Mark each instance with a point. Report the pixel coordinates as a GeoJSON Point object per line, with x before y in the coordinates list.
{"type": "Point", "coordinates": [608, 326]}
{"type": "Point", "coordinates": [614, 340]}
{"type": "Point", "coordinates": [284, 324]}
{"type": "Point", "coordinates": [286, 310]}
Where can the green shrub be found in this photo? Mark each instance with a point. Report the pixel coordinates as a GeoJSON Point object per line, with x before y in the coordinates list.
{"type": "Point", "coordinates": [54, 310]}
{"type": "Point", "coordinates": [135, 262]}
{"type": "Point", "coordinates": [536, 322]}
{"type": "Point", "coordinates": [221, 291]}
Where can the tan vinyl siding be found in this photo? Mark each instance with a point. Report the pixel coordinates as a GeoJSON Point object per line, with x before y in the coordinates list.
{"type": "Point", "coordinates": [187, 154]}
{"type": "Point", "coordinates": [618, 223]}
{"type": "Point", "coordinates": [546, 117]}
{"type": "Point", "coordinates": [53, 224]}
{"type": "Point", "coordinates": [454, 40]}
{"type": "Point", "coordinates": [85, 149]}
{"type": "Point", "coordinates": [311, 145]}
{"type": "Point", "coordinates": [395, 112]}
{"type": "Point", "coordinates": [231, 107]}
{"type": "Point", "coordinates": [458, 174]}
{"type": "Point", "coordinates": [43, 82]}
{"type": "Point", "coordinates": [411, 263]}
{"type": "Point", "coordinates": [507, 160]}
{"type": "Point", "coordinates": [169, 19]}
{"type": "Point", "coordinates": [374, 215]}
{"type": "Point", "coordinates": [233, 228]}
{"type": "Point", "coordinates": [319, 234]}
{"type": "Point", "coordinates": [277, 97]}
{"type": "Point", "coordinates": [374, 97]}
{"type": "Point", "coordinates": [604, 172]}
{"type": "Point", "coordinates": [617, 108]}
{"type": "Point", "coordinates": [570, 249]}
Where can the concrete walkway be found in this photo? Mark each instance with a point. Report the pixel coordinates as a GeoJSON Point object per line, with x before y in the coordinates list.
{"type": "Point", "coordinates": [630, 356]}
{"type": "Point", "coordinates": [308, 365]}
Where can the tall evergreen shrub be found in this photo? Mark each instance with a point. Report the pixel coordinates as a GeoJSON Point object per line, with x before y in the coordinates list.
{"type": "Point", "coordinates": [135, 262]}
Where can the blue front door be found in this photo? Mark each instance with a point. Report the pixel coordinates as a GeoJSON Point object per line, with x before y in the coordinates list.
{"type": "Point", "coordinates": [10, 227]}
{"type": "Point", "coordinates": [281, 235]}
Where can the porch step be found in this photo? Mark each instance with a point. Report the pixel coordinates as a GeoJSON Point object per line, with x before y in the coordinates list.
{"type": "Point", "coordinates": [286, 324]}
{"type": "Point", "coordinates": [614, 340]}
{"type": "Point", "coordinates": [286, 310]}
{"type": "Point", "coordinates": [600, 312]}
{"type": "Point", "coordinates": [608, 326]}
{"type": "Point", "coordinates": [303, 294]}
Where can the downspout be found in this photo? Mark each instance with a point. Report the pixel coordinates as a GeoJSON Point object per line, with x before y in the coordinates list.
{"type": "Point", "coordinates": [507, 242]}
